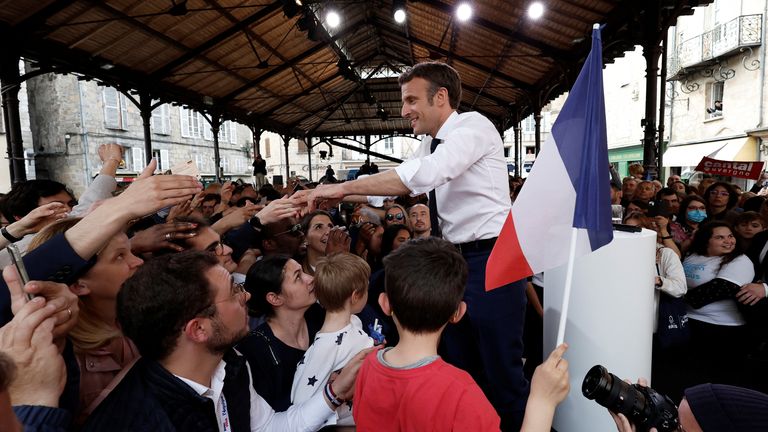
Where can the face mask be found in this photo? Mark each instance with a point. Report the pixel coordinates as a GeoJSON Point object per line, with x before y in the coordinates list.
{"type": "Point", "coordinates": [696, 215]}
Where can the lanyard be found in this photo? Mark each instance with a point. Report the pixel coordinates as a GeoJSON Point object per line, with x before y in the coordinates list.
{"type": "Point", "coordinates": [225, 426]}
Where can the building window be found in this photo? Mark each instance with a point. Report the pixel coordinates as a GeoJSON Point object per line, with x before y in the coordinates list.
{"type": "Point", "coordinates": [225, 164]}
{"type": "Point", "coordinates": [191, 123]}
{"type": "Point", "coordinates": [163, 159]}
{"type": "Point", "coordinates": [267, 148]}
{"type": "Point", "coordinates": [714, 95]}
{"type": "Point", "coordinates": [137, 159]}
{"type": "Point", "coordinates": [207, 131]}
{"type": "Point", "coordinates": [529, 125]}
{"type": "Point", "coordinates": [302, 146]}
{"type": "Point", "coordinates": [161, 120]}
{"type": "Point", "coordinates": [389, 144]}
{"type": "Point", "coordinates": [115, 109]}
{"type": "Point", "coordinates": [227, 132]}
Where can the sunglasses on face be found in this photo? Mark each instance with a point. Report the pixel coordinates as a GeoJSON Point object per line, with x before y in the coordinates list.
{"type": "Point", "coordinates": [398, 216]}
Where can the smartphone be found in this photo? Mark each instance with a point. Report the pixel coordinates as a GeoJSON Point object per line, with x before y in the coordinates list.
{"type": "Point", "coordinates": [15, 254]}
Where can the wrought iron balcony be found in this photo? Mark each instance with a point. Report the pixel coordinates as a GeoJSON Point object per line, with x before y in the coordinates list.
{"type": "Point", "coordinates": [723, 40]}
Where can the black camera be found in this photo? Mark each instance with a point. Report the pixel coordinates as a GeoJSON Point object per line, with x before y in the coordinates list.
{"type": "Point", "coordinates": [643, 406]}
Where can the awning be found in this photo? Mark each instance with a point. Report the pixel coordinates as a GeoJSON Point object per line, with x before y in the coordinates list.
{"type": "Point", "coordinates": [737, 149]}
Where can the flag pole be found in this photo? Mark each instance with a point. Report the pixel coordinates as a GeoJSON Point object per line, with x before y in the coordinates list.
{"type": "Point", "coordinates": [569, 272]}
{"type": "Point", "coordinates": [567, 292]}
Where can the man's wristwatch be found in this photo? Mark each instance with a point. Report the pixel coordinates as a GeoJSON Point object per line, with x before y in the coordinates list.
{"type": "Point", "coordinates": [256, 223]}
{"type": "Point", "coordinates": [8, 236]}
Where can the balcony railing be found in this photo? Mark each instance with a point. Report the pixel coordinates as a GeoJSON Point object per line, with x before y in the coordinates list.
{"type": "Point", "coordinates": [724, 39]}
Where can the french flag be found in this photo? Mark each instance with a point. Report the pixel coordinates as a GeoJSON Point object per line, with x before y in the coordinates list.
{"type": "Point", "coordinates": [568, 188]}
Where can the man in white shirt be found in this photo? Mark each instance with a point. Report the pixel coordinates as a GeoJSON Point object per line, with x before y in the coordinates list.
{"type": "Point", "coordinates": [184, 313]}
{"type": "Point", "coordinates": [461, 164]}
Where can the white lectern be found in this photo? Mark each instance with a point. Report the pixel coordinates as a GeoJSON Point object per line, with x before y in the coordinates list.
{"type": "Point", "coordinates": [610, 321]}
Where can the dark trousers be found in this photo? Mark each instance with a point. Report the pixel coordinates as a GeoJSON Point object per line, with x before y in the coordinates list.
{"type": "Point", "coordinates": [717, 354]}
{"type": "Point", "coordinates": [488, 341]}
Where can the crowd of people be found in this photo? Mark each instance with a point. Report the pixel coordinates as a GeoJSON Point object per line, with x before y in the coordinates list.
{"type": "Point", "coordinates": [169, 306]}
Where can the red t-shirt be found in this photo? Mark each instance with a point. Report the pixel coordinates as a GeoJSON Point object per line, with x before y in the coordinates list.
{"type": "Point", "coordinates": [435, 397]}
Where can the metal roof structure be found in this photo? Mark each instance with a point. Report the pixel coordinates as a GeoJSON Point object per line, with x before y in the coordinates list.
{"type": "Point", "coordinates": [276, 64]}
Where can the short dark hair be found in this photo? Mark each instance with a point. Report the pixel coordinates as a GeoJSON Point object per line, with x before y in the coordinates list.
{"type": "Point", "coordinates": [338, 276]}
{"type": "Point", "coordinates": [665, 192]}
{"type": "Point", "coordinates": [265, 276]}
{"type": "Point", "coordinates": [438, 75]}
{"type": "Point", "coordinates": [24, 196]}
{"type": "Point", "coordinates": [424, 301]}
{"type": "Point", "coordinates": [747, 217]}
{"type": "Point", "coordinates": [161, 297]}
{"type": "Point", "coordinates": [212, 197]}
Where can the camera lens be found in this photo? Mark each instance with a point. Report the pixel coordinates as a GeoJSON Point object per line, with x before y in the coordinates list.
{"type": "Point", "coordinates": [643, 406]}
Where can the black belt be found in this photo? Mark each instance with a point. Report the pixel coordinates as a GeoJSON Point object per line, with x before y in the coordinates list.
{"type": "Point", "coordinates": [476, 245]}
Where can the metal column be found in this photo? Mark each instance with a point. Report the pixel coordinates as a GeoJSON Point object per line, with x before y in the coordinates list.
{"type": "Point", "coordinates": [145, 110]}
{"type": "Point", "coordinates": [308, 141]}
{"type": "Point", "coordinates": [286, 140]}
{"type": "Point", "coordinates": [10, 82]}
{"type": "Point", "coordinates": [215, 127]}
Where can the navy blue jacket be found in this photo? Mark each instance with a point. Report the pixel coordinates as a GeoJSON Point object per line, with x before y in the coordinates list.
{"type": "Point", "coordinates": [149, 398]}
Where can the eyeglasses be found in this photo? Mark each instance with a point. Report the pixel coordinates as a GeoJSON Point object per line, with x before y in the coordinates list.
{"type": "Point", "coordinates": [398, 216]}
{"type": "Point", "coordinates": [294, 231]}
{"type": "Point", "coordinates": [237, 291]}
{"type": "Point", "coordinates": [721, 193]}
{"type": "Point", "coordinates": [216, 248]}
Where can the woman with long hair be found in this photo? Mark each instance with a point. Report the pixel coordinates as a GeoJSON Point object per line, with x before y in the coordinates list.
{"type": "Point", "coordinates": [100, 347]}
{"type": "Point", "coordinates": [316, 226]}
{"type": "Point", "coordinates": [715, 271]}
{"type": "Point", "coordinates": [283, 293]}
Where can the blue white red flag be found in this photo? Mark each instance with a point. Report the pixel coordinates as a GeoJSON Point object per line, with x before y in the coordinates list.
{"type": "Point", "coordinates": [568, 187]}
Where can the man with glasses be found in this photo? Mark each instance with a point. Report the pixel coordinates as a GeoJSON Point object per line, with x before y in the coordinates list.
{"type": "Point", "coordinates": [184, 313]}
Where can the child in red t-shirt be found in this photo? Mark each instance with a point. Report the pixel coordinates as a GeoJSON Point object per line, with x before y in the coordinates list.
{"type": "Point", "coordinates": [409, 387]}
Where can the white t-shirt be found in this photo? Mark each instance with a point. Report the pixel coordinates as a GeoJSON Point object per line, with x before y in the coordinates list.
{"type": "Point", "coordinates": [702, 269]}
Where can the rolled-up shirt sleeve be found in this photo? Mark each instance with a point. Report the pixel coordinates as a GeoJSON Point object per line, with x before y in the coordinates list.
{"type": "Point", "coordinates": [451, 158]}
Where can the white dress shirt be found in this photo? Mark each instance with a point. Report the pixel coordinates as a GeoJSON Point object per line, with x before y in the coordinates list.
{"type": "Point", "coordinates": [303, 417]}
{"type": "Point", "coordinates": [469, 174]}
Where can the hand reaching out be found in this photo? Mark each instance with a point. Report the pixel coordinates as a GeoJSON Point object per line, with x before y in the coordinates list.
{"type": "Point", "coordinates": [338, 241]}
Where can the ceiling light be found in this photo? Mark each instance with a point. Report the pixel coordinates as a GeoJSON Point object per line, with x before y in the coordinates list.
{"type": "Point", "coordinates": [333, 19]}
{"type": "Point", "coordinates": [464, 12]}
{"type": "Point", "coordinates": [398, 8]}
{"type": "Point", "coordinates": [535, 10]}
{"type": "Point", "coordinates": [400, 16]}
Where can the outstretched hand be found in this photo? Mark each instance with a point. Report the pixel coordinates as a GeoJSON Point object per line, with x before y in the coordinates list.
{"type": "Point", "coordinates": [150, 193]}
{"type": "Point", "coordinates": [323, 195]}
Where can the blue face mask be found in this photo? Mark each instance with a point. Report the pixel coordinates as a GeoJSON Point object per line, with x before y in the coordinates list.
{"type": "Point", "coordinates": [696, 215]}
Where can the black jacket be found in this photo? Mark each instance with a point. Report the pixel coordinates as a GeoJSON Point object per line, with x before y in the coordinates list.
{"type": "Point", "coordinates": [150, 398]}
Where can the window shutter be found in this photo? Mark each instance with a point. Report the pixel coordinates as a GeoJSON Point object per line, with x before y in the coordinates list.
{"type": "Point", "coordinates": [267, 148]}
{"type": "Point", "coordinates": [233, 132]}
{"type": "Point", "coordinates": [165, 161]}
{"type": "Point", "coordinates": [111, 108]}
{"type": "Point", "coordinates": [207, 132]}
{"type": "Point", "coordinates": [123, 112]}
{"type": "Point", "coordinates": [185, 131]}
{"type": "Point", "coordinates": [137, 154]}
